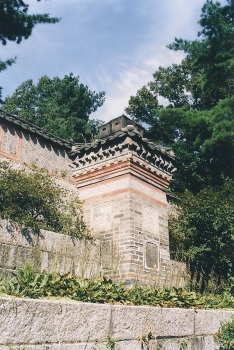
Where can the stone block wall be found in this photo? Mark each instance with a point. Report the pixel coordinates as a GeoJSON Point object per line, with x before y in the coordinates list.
{"type": "Point", "coordinates": [53, 252]}
{"type": "Point", "coordinates": [47, 251]}
{"type": "Point", "coordinates": [53, 325]}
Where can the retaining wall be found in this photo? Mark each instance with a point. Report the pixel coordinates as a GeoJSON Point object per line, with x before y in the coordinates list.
{"type": "Point", "coordinates": [52, 325]}
{"type": "Point", "coordinates": [54, 252]}
{"type": "Point", "coordinates": [47, 251]}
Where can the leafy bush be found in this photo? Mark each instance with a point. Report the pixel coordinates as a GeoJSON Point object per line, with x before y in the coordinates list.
{"type": "Point", "coordinates": [34, 285]}
{"type": "Point", "coordinates": [33, 199]}
{"type": "Point", "coordinates": [202, 234]}
{"type": "Point", "coordinates": [27, 283]}
{"type": "Point", "coordinates": [226, 335]}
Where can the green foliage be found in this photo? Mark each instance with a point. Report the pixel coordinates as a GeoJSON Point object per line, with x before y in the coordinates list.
{"type": "Point", "coordinates": [184, 345]}
{"type": "Point", "coordinates": [205, 76]}
{"type": "Point", "coordinates": [198, 125]}
{"type": "Point", "coordinates": [203, 143]}
{"type": "Point", "coordinates": [202, 233]}
{"type": "Point", "coordinates": [16, 24]}
{"type": "Point", "coordinates": [179, 85]}
{"type": "Point", "coordinates": [142, 106]}
{"type": "Point", "coordinates": [34, 200]}
{"type": "Point", "coordinates": [226, 335]}
{"type": "Point", "coordinates": [174, 297]}
{"type": "Point", "coordinates": [198, 122]}
{"type": "Point", "coordinates": [5, 64]}
{"type": "Point", "coordinates": [111, 344]}
{"type": "Point", "coordinates": [30, 284]}
{"type": "Point", "coordinates": [27, 283]}
{"type": "Point", "coordinates": [60, 106]}
{"type": "Point", "coordinates": [210, 59]}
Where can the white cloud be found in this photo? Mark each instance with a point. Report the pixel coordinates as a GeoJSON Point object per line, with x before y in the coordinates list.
{"type": "Point", "coordinates": [131, 80]}
{"type": "Point", "coordinates": [149, 57]}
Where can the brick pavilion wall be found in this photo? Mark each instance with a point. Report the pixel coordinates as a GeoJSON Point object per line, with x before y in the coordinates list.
{"type": "Point", "coordinates": [130, 219]}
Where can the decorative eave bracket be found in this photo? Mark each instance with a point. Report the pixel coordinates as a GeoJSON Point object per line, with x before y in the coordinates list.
{"type": "Point", "coordinates": [124, 147]}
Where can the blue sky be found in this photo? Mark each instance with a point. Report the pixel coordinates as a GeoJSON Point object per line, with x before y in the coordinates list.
{"type": "Point", "coordinates": [113, 45]}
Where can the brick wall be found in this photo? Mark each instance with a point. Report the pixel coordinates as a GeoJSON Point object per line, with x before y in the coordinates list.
{"type": "Point", "coordinates": [130, 219]}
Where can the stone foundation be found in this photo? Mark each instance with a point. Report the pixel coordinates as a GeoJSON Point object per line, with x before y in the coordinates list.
{"type": "Point", "coordinates": [53, 325]}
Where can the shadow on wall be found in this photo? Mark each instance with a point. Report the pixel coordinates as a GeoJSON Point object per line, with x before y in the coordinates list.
{"type": "Point", "coordinates": [47, 251]}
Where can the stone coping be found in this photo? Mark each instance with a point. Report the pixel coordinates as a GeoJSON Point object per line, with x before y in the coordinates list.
{"type": "Point", "coordinates": [31, 321]}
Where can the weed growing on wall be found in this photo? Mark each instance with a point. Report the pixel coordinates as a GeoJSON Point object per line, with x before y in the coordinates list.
{"type": "Point", "coordinates": [27, 283]}
{"type": "Point", "coordinates": [33, 199]}
{"type": "Point", "coordinates": [111, 345]}
{"type": "Point", "coordinates": [226, 335]}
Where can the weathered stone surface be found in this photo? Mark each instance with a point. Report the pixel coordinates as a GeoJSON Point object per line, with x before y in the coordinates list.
{"type": "Point", "coordinates": [33, 321]}
{"type": "Point", "coordinates": [101, 217]}
{"type": "Point", "coordinates": [130, 322]}
{"type": "Point", "coordinates": [55, 346]}
{"type": "Point", "coordinates": [47, 251]}
{"type": "Point", "coordinates": [52, 325]}
{"type": "Point", "coordinates": [188, 343]}
{"type": "Point", "coordinates": [126, 231]}
{"type": "Point", "coordinates": [24, 144]}
{"type": "Point", "coordinates": [176, 322]}
{"type": "Point", "coordinates": [208, 321]}
{"type": "Point", "coordinates": [151, 255]}
{"type": "Point", "coordinates": [123, 345]}
{"type": "Point", "coordinates": [127, 345]}
{"type": "Point", "coordinates": [150, 219]}
{"type": "Point", "coordinates": [172, 344]}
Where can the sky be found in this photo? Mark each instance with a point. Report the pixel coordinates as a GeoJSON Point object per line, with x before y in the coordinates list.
{"type": "Point", "coordinates": [112, 45]}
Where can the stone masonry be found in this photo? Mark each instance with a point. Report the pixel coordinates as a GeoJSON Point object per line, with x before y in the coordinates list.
{"type": "Point", "coordinates": [46, 251]}
{"type": "Point", "coordinates": [53, 325]}
{"type": "Point", "coordinates": [123, 179]}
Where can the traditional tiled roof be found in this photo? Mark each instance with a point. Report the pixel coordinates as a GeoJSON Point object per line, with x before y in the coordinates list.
{"type": "Point", "coordinates": [124, 143]}
{"type": "Point", "coordinates": [117, 137]}
{"type": "Point", "coordinates": [33, 129]}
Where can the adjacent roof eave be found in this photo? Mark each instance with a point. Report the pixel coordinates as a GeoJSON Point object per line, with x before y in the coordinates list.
{"type": "Point", "coordinates": [33, 129]}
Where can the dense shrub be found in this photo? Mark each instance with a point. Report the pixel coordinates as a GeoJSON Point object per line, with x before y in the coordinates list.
{"type": "Point", "coordinates": [202, 234]}
{"type": "Point", "coordinates": [33, 199]}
